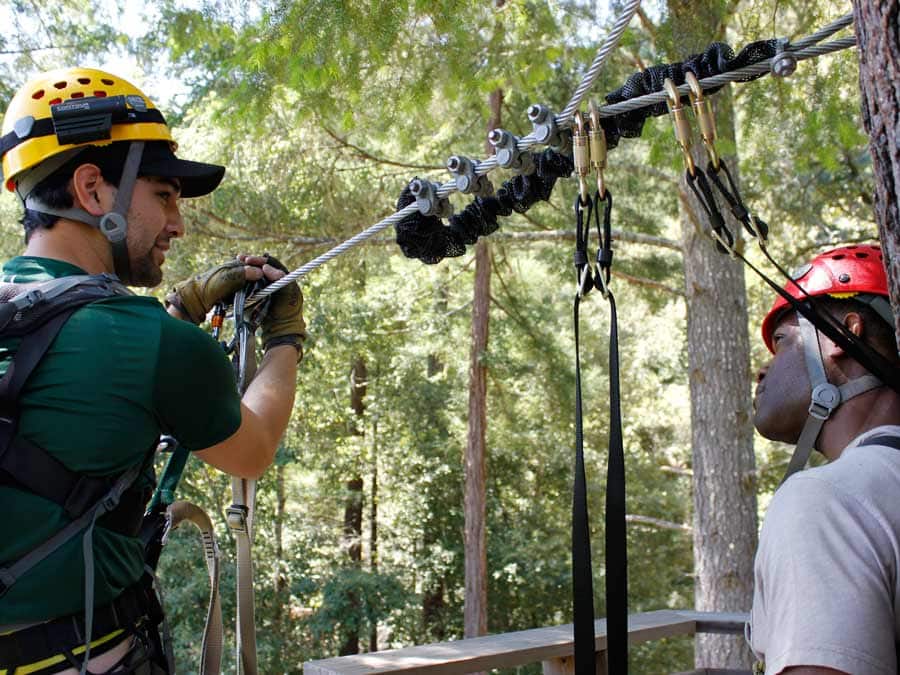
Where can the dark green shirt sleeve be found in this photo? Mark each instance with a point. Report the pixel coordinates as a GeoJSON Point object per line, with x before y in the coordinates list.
{"type": "Point", "coordinates": [196, 396]}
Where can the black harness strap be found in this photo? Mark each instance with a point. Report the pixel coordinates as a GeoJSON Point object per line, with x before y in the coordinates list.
{"type": "Point", "coordinates": [616, 546]}
{"type": "Point", "coordinates": [756, 227]}
{"type": "Point", "coordinates": [699, 185]}
{"type": "Point", "coordinates": [888, 440]}
{"type": "Point", "coordinates": [24, 465]}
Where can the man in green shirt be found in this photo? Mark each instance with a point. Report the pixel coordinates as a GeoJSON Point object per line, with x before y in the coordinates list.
{"type": "Point", "coordinates": [93, 162]}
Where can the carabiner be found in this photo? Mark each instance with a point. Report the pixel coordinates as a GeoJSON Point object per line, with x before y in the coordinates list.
{"type": "Point", "coordinates": [681, 124]}
{"type": "Point", "coordinates": [581, 156]}
{"type": "Point", "coordinates": [705, 117]}
{"type": "Point", "coordinates": [597, 138]}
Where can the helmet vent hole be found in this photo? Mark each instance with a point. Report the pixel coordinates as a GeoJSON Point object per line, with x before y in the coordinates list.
{"type": "Point", "coordinates": [60, 85]}
{"type": "Point", "coordinates": [56, 101]}
{"type": "Point", "coordinates": [38, 95]}
{"type": "Point", "coordinates": [78, 94]}
{"type": "Point", "coordinates": [862, 255]}
{"type": "Point", "coordinates": [839, 256]}
{"type": "Point", "coordinates": [100, 94]}
{"type": "Point", "coordinates": [107, 81]}
{"type": "Point", "coordinates": [84, 80]}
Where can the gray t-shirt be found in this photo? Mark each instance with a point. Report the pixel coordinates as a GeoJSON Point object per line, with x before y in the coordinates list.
{"type": "Point", "coordinates": [826, 582]}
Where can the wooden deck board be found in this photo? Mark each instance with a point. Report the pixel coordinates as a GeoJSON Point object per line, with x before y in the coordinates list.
{"type": "Point", "coordinates": [514, 649]}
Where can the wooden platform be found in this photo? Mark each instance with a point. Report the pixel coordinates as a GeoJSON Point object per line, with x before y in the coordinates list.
{"type": "Point", "coordinates": [552, 646]}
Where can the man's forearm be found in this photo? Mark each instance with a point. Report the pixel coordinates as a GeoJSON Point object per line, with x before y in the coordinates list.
{"type": "Point", "coordinates": [270, 396]}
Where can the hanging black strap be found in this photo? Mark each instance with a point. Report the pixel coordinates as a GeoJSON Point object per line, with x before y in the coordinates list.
{"type": "Point", "coordinates": [756, 227]}
{"type": "Point", "coordinates": [582, 575]}
{"type": "Point", "coordinates": [699, 185]}
{"type": "Point", "coordinates": [616, 542]}
{"type": "Point", "coordinates": [616, 547]}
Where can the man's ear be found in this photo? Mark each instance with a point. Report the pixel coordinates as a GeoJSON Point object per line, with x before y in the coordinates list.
{"type": "Point", "coordinates": [89, 189]}
{"type": "Point", "coordinates": [854, 322]}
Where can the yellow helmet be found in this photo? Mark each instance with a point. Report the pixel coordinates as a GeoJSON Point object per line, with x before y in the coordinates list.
{"type": "Point", "coordinates": [70, 108]}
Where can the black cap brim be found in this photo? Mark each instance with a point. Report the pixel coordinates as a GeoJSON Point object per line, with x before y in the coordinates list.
{"type": "Point", "coordinates": [196, 178]}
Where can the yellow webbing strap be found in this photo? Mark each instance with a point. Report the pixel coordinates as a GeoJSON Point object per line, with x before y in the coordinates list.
{"type": "Point", "coordinates": [51, 661]}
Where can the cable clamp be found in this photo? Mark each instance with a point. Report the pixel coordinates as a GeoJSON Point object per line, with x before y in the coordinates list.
{"type": "Point", "coordinates": [468, 181]}
{"type": "Point", "coordinates": [506, 150]}
{"type": "Point", "coordinates": [427, 200]}
{"type": "Point", "coordinates": [784, 63]}
{"type": "Point", "coordinates": [545, 129]}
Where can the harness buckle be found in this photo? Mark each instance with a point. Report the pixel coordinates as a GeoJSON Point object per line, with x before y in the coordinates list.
{"type": "Point", "coordinates": [236, 517]}
{"type": "Point", "coordinates": [825, 398]}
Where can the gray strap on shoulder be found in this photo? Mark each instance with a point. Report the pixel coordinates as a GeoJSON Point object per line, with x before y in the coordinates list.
{"type": "Point", "coordinates": [10, 575]}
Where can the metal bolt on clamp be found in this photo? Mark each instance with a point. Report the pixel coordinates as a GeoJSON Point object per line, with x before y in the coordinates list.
{"type": "Point", "coordinates": [427, 200]}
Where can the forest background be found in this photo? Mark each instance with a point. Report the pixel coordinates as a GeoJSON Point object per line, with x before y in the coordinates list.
{"type": "Point", "coordinates": [322, 112]}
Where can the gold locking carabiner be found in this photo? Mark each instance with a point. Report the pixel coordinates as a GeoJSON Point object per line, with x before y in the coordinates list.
{"type": "Point", "coordinates": [597, 139]}
{"type": "Point", "coordinates": [681, 124]}
{"type": "Point", "coordinates": [581, 156]}
{"type": "Point", "coordinates": [705, 117]}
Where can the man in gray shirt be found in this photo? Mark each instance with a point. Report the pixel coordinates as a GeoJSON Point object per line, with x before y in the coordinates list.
{"type": "Point", "coordinates": [827, 573]}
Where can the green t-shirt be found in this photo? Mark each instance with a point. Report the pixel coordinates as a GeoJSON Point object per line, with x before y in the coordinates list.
{"type": "Point", "coordinates": [120, 372]}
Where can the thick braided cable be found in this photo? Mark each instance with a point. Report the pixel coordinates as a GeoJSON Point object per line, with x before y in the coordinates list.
{"type": "Point", "coordinates": [483, 167]}
{"type": "Point", "coordinates": [759, 68]}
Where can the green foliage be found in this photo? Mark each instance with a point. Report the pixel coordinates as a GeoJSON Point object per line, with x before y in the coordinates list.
{"type": "Point", "coordinates": [322, 111]}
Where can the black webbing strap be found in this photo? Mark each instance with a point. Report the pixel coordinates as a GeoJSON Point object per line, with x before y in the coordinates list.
{"type": "Point", "coordinates": [756, 227]}
{"type": "Point", "coordinates": [888, 440]}
{"type": "Point", "coordinates": [26, 465]}
{"type": "Point", "coordinates": [46, 127]}
{"type": "Point", "coordinates": [615, 536]}
{"type": "Point", "coordinates": [699, 185]}
{"type": "Point", "coordinates": [582, 576]}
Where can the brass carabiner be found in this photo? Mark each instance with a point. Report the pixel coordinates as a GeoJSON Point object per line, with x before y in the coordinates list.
{"type": "Point", "coordinates": [581, 156]}
{"type": "Point", "coordinates": [705, 117]}
{"type": "Point", "coordinates": [681, 124]}
{"type": "Point", "coordinates": [597, 139]}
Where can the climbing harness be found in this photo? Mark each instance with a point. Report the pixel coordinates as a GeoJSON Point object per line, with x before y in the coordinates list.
{"type": "Point", "coordinates": [590, 151]}
{"type": "Point", "coordinates": [35, 313]}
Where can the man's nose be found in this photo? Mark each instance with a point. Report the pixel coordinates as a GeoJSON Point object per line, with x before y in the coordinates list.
{"type": "Point", "coordinates": [761, 373]}
{"type": "Point", "coordinates": [175, 224]}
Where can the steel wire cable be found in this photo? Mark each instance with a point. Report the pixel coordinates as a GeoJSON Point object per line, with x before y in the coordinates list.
{"type": "Point", "coordinates": [483, 167]}
{"type": "Point", "coordinates": [809, 51]}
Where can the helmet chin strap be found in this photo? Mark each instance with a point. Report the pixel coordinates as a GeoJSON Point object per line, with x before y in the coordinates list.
{"type": "Point", "coordinates": [826, 397]}
{"type": "Point", "coordinates": [113, 224]}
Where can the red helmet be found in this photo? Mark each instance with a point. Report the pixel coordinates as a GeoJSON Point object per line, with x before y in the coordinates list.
{"type": "Point", "coordinates": [841, 273]}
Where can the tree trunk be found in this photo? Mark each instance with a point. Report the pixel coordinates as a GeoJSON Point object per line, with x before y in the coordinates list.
{"type": "Point", "coordinates": [475, 612]}
{"type": "Point", "coordinates": [724, 486]}
{"type": "Point", "coordinates": [725, 523]}
{"type": "Point", "coordinates": [877, 27]}
{"type": "Point", "coordinates": [353, 509]}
